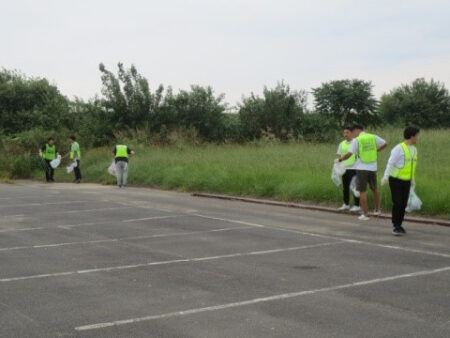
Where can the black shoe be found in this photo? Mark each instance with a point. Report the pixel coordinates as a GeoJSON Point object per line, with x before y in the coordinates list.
{"type": "Point", "coordinates": [397, 232]}
{"type": "Point", "coordinates": [77, 181]}
{"type": "Point", "coordinates": [402, 230]}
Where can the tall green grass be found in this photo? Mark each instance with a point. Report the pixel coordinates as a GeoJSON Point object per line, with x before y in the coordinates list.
{"type": "Point", "coordinates": [288, 172]}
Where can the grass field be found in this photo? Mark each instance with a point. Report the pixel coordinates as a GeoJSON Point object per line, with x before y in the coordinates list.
{"type": "Point", "coordinates": [289, 172]}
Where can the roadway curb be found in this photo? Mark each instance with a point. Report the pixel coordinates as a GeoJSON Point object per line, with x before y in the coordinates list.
{"type": "Point", "coordinates": [434, 221]}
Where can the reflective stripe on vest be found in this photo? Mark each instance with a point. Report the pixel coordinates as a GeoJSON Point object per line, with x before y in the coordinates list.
{"type": "Point", "coordinates": [72, 150]}
{"type": "Point", "coordinates": [49, 152]}
{"type": "Point", "coordinates": [121, 151]}
{"type": "Point", "coordinates": [345, 147]}
{"type": "Point", "coordinates": [367, 148]}
{"type": "Point", "coordinates": [408, 171]}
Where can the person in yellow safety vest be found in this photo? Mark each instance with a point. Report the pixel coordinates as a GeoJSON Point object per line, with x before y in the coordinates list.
{"type": "Point", "coordinates": [350, 171]}
{"type": "Point", "coordinates": [400, 173]}
{"type": "Point", "coordinates": [121, 153]}
{"type": "Point", "coordinates": [75, 155]}
{"type": "Point", "coordinates": [366, 147]}
{"type": "Point", "coordinates": [49, 152]}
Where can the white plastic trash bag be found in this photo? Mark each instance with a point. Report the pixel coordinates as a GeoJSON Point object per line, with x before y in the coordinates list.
{"type": "Point", "coordinates": [112, 169]}
{"type": "Point", "coordinates": [71, 167]}
{"type": "Point", "coordinates": [414, 202]}
{"type": "Point", "coordinates": [55, 163]}
{"type": "Point", "coordinates": [336, 173]}
{"type": "Point", "coordinates": [353, 187]}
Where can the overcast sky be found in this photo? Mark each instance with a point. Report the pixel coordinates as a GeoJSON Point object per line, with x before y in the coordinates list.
{"type": "Point", "coordinates": [236, 46]}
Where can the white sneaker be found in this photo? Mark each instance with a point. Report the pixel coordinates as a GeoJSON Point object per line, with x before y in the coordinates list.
{"type": "Point", "coordinates": [355, 208]}
{"type": "Point", "coordinates": [377, 213]}
{"type": "Point", "coordinates": [344, 207]}
{"type": "Point", "coordinates": [363, 218]}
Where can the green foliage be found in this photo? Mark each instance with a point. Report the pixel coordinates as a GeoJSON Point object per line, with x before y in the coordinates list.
{"type": "Point", "coordinates": [31, 109]}
{"type": "Point", "coordinates": [201, 109]}
{"type": "Point", "coordinates": [232, 128]}
{"type": "Point", "coordinates": [277, 112]}
{"type": "Point", "coordinates": [426, 104]}
{"type": "Point", "coordinates": [347, 101]}
{"type": "Point", "coordinates": [315, 127]}
{"type": "Point", "coordinates": [290, 171]}
{"type": "Point", "coordinates": [127, 97]}
{"type": "Point", "coordinates": [27, 103]}
{"type": "Point", "coordinates": [130, 104]}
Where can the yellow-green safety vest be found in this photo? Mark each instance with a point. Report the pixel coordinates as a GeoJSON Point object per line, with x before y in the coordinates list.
{"type": "Point", "coordinates": [49, 152]}
{"type": "Point", "coordinates": [345, 147]}
{"type": "Point", "coordinates": [72, 150]}
{"type": "Point", "coordinates": [121, 151]}
{"type": "Point", "coordinates": [367, 148]}
{"type": "Point", "coordinates": [408, 171]}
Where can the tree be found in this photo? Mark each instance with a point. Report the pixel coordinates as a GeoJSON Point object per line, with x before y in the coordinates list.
{"type": "Point", "coordinates": [201, 109]}
{"type": "Point", "coordinates": [127, 97]}
{"type": "Point", "coordinates": [347, 101]}
{"type": "Point", "coordinates": [278, 112]}
{"type": "Point", "coordinates": [27, 103]}
{"type": "Point", "coordinates": [423, 103]}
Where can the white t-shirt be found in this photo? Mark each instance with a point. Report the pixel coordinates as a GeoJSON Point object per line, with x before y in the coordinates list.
{"type": "Point", "coordinates": [397, 158]}
{"type": "Point", "coordinates": [372, 166]}
{"type": "Point", "coordinates": [339, 152]}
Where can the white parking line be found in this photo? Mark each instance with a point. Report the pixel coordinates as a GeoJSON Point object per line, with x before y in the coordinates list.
{"type": "Point", "coordinates": [40, 204]}
{"type": "Point", "coordinates": [259, 300]}
{"type": "Point", "coordinates": [89, 210]}
{"type": "Point", "coordinates": [176, 261]}
{"type": "Point", "coordinates": [348, 240]}
{"type": "Point", "coordinates": [70, 226]}
{"type": "Point", "coordinates": [22, 229]}
{"type": "Point", "coordinates": [111, 240]}
{"type": "Point", "coordinates": [73, 211]}
{"type": "Point", "coordinates": [18, 215]}
{"type": "Point", "coordinates": [231, 221]}
{"type": "Point", "coordinates": [150, 218]}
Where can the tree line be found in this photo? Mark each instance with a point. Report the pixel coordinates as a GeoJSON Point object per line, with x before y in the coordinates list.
{"type": "Point", "coordinates": [128, 106]}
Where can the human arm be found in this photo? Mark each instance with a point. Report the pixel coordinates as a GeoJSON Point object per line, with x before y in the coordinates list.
{"type": "Point", "coordinates": [395, 159]}
{"type": "Point", "coordinates": [381, 143]}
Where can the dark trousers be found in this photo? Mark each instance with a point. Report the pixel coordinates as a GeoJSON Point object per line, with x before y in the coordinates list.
{"type": "Point", "coordinates": [49, 171]}
{"type": "Point", "coordinates": [77, 171]}
{"type": "Point", "coordinates": [400, 193]}
{"type": "Point", "coordinates": [346, 180]}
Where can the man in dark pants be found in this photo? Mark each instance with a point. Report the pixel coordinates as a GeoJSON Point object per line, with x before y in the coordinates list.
{"type": "Point", "coordinates": [350, 171]}
{"type": "Point", "coordinates": [49, 153]}
{"type": "Point", "coordinates": [400, 172]}
{"type": "Point", "coordinates": [366, 147]}
{"type": "Point", "coordinates": [75, 155]}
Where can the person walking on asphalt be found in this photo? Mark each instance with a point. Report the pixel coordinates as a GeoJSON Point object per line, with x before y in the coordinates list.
{"type": "Point", "coordinates": [75, 155]}
{"type": "Point", "coordinates": [366, 147]}
{"type": "Point", "coordinates": [121, 154]}
{"type": "Point", "coordinates": [400, 173]}
{"type": "Point", "coordinates": [350, 171]}
{"type": "Point", "coordinates": [49, 152]}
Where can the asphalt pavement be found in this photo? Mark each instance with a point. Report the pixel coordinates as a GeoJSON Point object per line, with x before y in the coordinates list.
{"type": "Point", "coordinates": [97, 261]}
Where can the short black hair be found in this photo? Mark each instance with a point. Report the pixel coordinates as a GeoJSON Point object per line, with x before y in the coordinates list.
{"type": "Point", "coordinates": [73, 138]}
{"type": "Point", "coordinates": [347, 128]}
{"type": "Point", "coordinates": [50, 139]}
{"type": "Point", "coordinates": [358, 126]}
{"type": "Point", "coordinates": [410, 131]}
